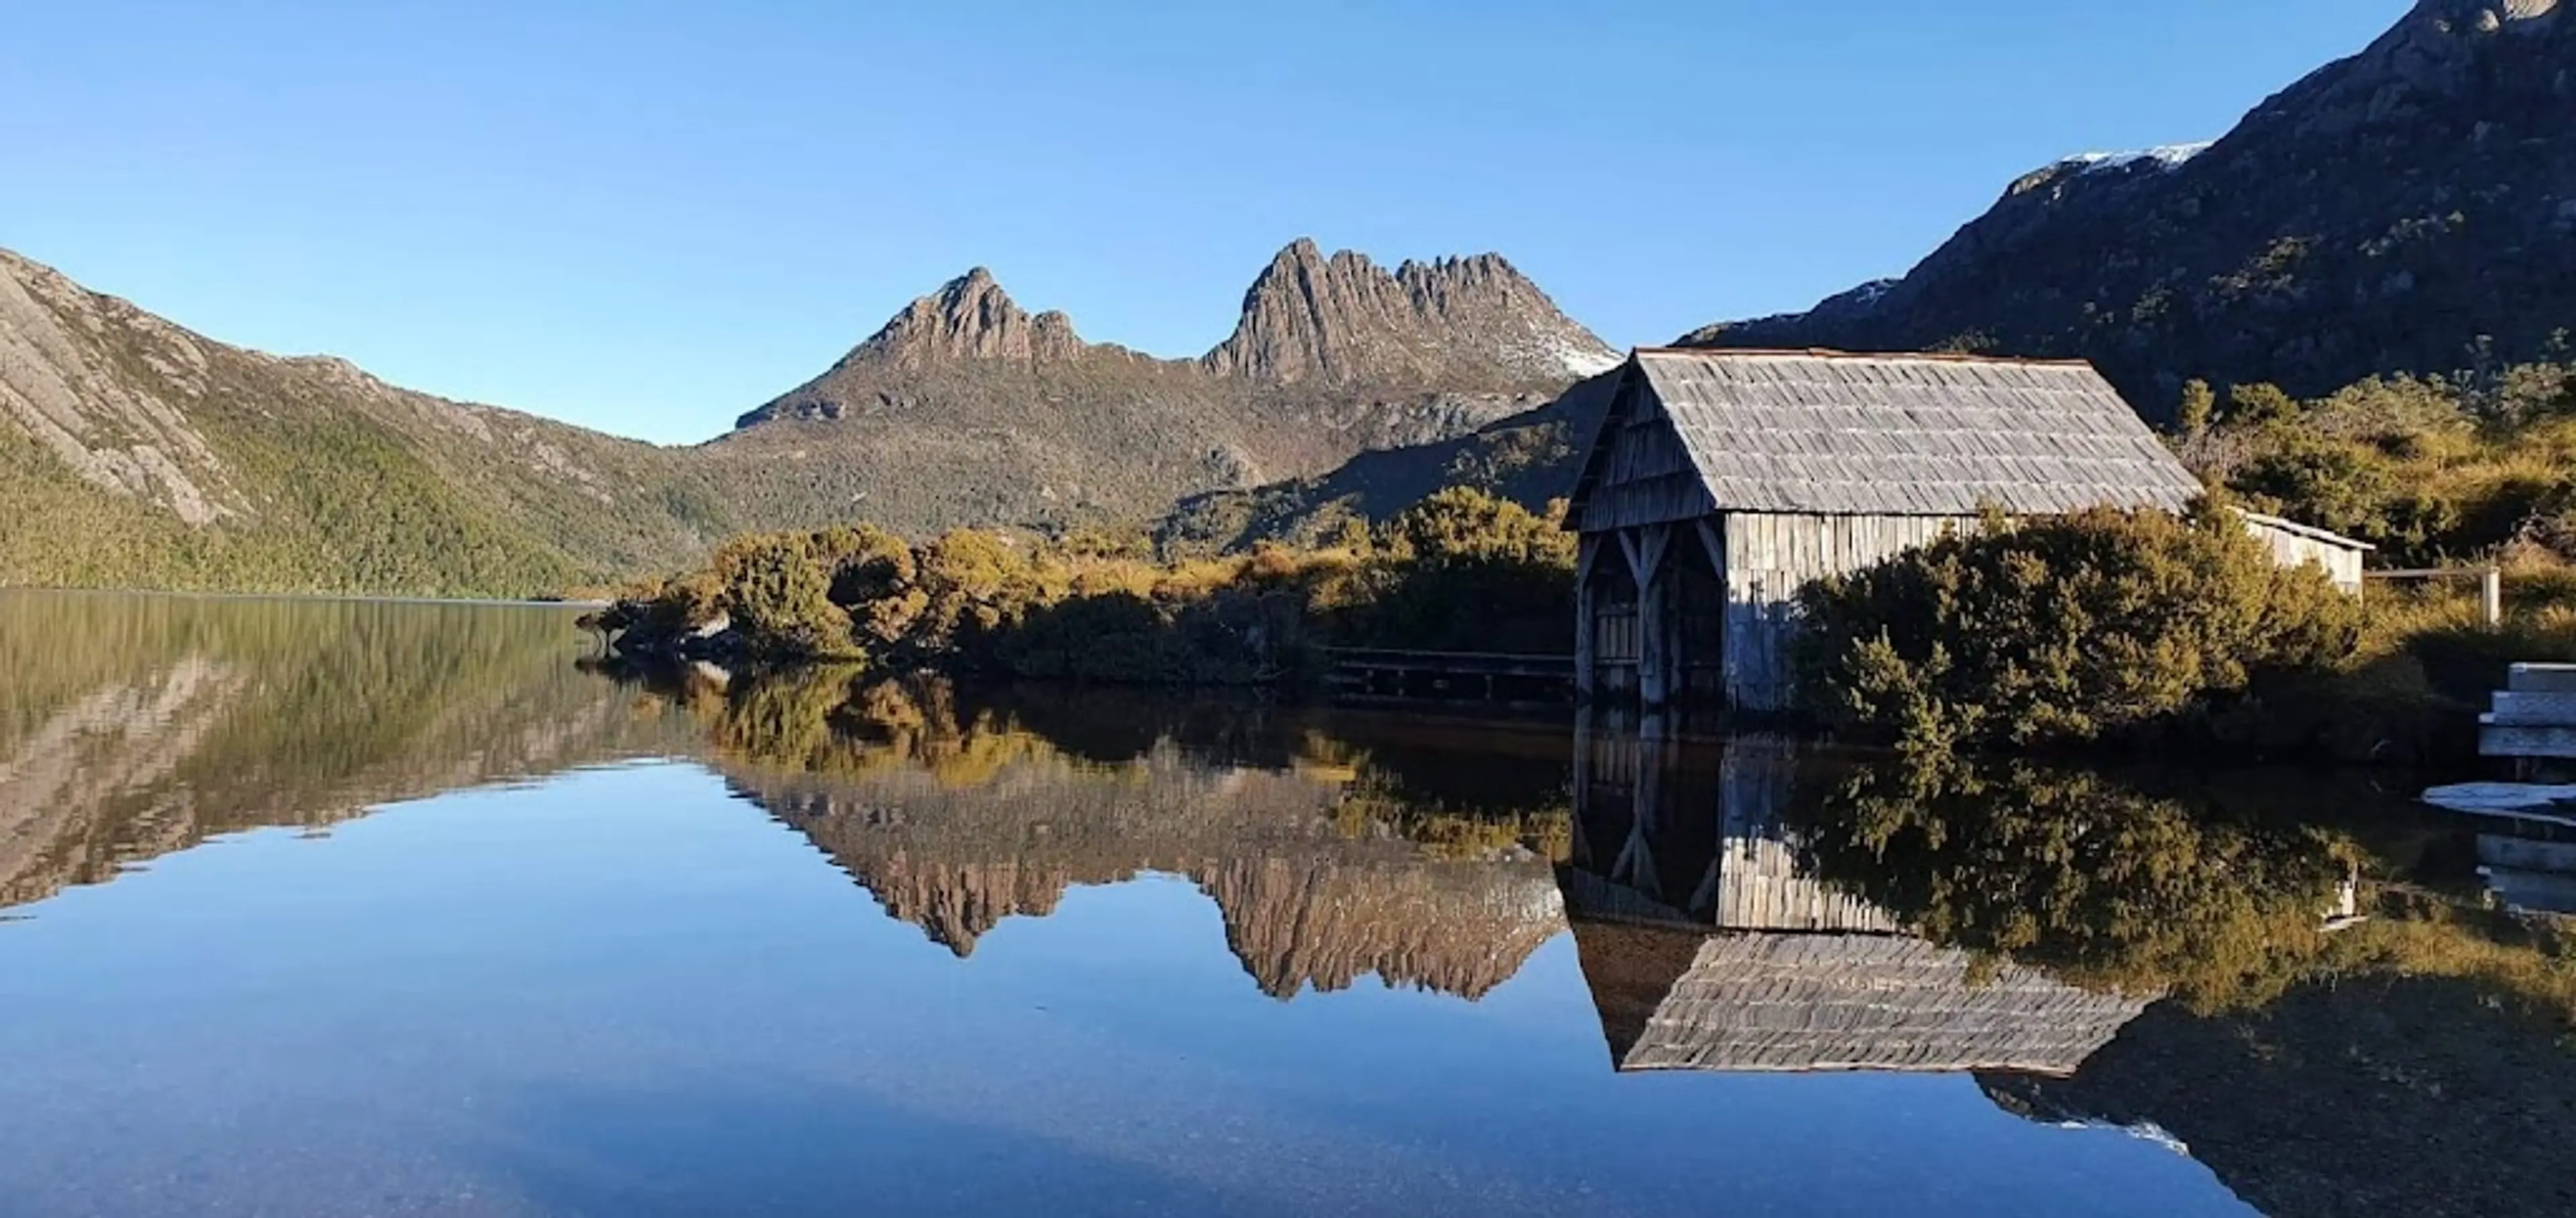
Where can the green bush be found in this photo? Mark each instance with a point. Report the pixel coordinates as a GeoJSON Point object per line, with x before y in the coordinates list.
{"type": "Point", "coordinates": [1464, 570]}
{"type": "Point", "coordinates": [1468, 571]}
{"type": "Point", "coordinates": [2429, 469]}
{"type": "Point", "coordinates": [2064, 629]}
{"type": "Point", "coordinates": [777, 588]}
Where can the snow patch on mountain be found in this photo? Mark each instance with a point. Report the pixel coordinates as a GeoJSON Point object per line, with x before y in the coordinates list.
{"type": "Point", "coordinates": [2169, 156]}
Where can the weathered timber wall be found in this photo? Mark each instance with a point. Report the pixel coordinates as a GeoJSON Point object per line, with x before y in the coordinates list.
{"type": "Point", "coordinates": [1644, 475]}
{"type": "Point", "coordinates": [2292, 547]}
{"type": "Point", "coordinates": [1760, 884]}
{"type": "Point", "coordinates": [1768, 559]}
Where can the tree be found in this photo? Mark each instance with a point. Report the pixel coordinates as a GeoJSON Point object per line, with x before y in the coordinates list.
{"type": "Point", "coordinates": [2260, 402]}
{"type": "Point", "coordinates": [2199, 404]}
{"type": "Point", "coordinates": [780, 596]}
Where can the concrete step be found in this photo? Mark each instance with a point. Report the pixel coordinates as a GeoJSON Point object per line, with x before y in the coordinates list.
{"type": "Point", "coordinates": [2514, 740]}
{"type": "Point", "coordinates": [2542, 679]}
{"type": "Point", "coordinates": [2534, 710]}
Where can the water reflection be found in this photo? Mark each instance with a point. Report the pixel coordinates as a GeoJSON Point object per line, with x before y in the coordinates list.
{"type": "Point", "coordinates": [2291, 977]}
{"type": "Point", "coordinates": [2529, 863]}
{"type": "Point", "coordinates": [133, 726]}
{"type": "Point", "coordinates": [1325, 859]}
{"type": "Point", "coordinates": [1712, 942]}
{"type": "Point", "coordinates": [2310, 987]}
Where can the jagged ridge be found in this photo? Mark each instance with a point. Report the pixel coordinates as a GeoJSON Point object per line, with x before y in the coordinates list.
{"type": "Point", "coordinates": [966, 409]}
{"type": "Point", "coordinates": [1344, 320]}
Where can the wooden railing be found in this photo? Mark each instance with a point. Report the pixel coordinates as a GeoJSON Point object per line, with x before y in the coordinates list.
{"type": "Point", "coordinates": [1450, 675]}
{"type": "Point", "coordinates": [2490, 586]}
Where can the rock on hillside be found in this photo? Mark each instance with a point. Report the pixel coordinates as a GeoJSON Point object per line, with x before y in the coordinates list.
{"type": "Point", "coordinates": [965, 409]}
{"type": "Point", "coordinates": [2411, 208]}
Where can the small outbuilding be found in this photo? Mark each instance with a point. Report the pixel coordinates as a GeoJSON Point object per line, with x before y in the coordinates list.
{"type": "Point", "coordinates": [1721, 482]}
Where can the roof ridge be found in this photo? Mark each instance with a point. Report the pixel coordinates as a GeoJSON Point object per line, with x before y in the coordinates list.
{"type": "Point", "coordinates": [1943, 357]}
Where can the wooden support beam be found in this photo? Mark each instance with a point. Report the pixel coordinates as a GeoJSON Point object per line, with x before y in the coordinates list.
{"type": "Point", "coordinates": [1647, 548]}
{"type": "Point", "coordinates": [1703, 900]}
{"type": "Point", "coordinates": [1587, 646]}
{"type": "Point", "coordinates": [1636, 865]}
{"type": "Point", "coordinates": [1585, 741]}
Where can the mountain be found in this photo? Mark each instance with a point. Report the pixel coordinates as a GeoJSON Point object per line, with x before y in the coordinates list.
{"type": "Point", "coordinates": [2411, 208]}
{"type": "Point", "coordinates": [161, 458]}
{"type": "Point", "coordinates": [1305, 906]}
{"type": "Point", "coordinates": [1312, 320]}
{"type": "Point", "coordinates": [156, 457]}
{"type": "Point", "coordinates": [967, 409]}
{"type": "Point", "coordinates": [1529, 457]}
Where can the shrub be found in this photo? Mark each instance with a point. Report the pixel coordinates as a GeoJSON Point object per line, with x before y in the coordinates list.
{"type": "Point", "coordinates": [2260, 403]}
{"type": "Point", "coordinates": [1468, 571]}
{"type": "Point", "coordinates": [1463, 570]}
{"type": "Point", "coordinates": [2198, 406]}
{"type": "Point", "coordinates": [778, 592]}
{"type": "Point", "coordinates": [2430, 469]}
{"type": "Point", "coordinates": [2068, 629]}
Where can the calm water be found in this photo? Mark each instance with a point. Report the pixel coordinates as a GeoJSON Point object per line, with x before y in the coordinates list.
{"type": "Point", "coordinates": [343, 908]}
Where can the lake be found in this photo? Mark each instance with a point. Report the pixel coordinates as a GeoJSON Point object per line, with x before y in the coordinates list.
{"type": "Point", "coordinates": [350, 907]}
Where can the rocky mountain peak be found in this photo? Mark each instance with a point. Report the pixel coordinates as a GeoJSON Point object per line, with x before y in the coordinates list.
{"type": "Point", "coordinates": [970, 318]}
{"type": "Point", "coordinates": [1343, 320]}
{"type": "Point", "coordinates": [2409, 208]}
{"type": "Point", "coordinates": [2443, 55]}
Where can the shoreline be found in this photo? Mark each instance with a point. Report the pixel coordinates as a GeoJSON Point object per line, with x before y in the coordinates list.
{"type": "Point", "coordinates": [371, 597]}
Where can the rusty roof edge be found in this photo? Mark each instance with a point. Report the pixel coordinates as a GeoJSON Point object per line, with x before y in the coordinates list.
{"type": "Point", "coordinates": [1945, 357]}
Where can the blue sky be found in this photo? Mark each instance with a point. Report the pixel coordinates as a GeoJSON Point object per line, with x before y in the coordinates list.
{"type": "Point", "coordinates": [648, 217]}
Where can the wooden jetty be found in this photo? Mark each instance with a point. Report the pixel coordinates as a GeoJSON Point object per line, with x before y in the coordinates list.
{"type": "Point", "coordinates": [2534, 719]}
{"type": "Point", "coordinates": [1380, 674]}
{"type": "Point", "coordinates": [2529, 857]}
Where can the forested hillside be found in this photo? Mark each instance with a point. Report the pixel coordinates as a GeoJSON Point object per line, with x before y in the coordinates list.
{"type": "Point", "coordinates": [134, 453]}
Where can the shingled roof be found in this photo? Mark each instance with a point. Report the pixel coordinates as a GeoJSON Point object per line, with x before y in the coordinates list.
{"type": "Point", "coordinates": [1773, 1002]}
{"type": "Point", "coordinates": [1898, 435]}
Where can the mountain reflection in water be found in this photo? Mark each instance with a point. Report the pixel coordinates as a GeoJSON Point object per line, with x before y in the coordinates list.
{"type": "Point", "coordinates": [2298, 980]}
{"type": "Point", "coordinates": [1324, 865]}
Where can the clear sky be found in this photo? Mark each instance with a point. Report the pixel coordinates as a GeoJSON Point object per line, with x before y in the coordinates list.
{"type": "Point", "coordinates": [648, 217]}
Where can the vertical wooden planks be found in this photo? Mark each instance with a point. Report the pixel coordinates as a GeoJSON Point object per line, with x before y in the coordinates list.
{"type": "Point", "coordinates": [1766, 559]}
{"type": "Point", "coordinates": [1586, 646]}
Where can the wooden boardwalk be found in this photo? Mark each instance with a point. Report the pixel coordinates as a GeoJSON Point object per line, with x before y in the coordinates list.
{"type": "Point", "coordinates": [1379, 674]}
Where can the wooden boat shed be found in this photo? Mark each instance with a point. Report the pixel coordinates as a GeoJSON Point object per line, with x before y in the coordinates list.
{"type": "Point", "coordinates": [1721, 482]}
